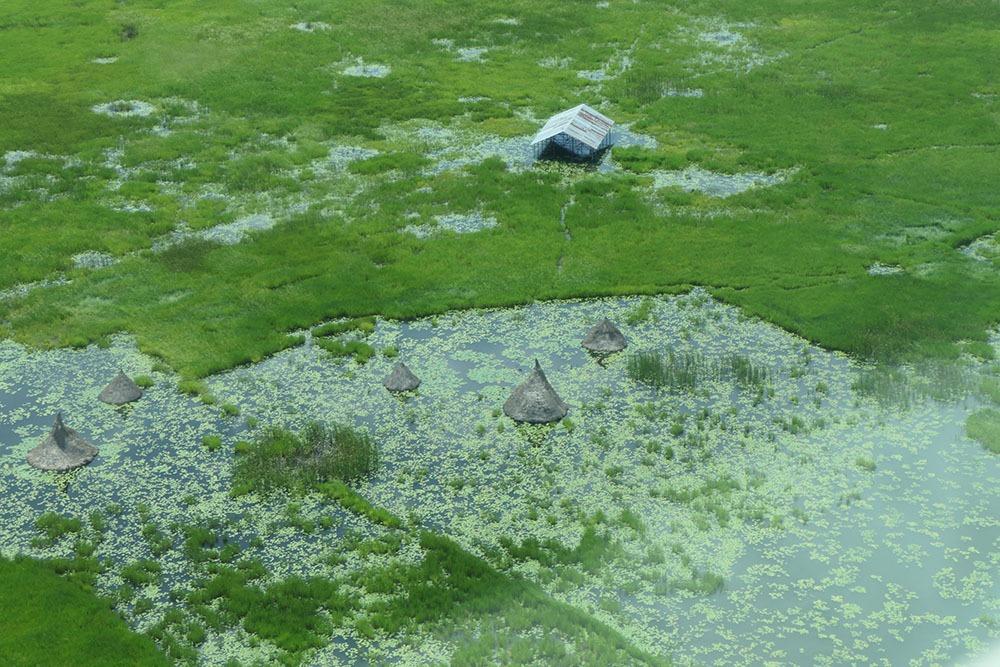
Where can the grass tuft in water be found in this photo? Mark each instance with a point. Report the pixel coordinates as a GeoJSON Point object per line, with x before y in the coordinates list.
{"type": "Point", "coordinates": [675, 371]}
{"type": "Point", "coordinates": [360, 350]}
{"type": "Point", "coordinates": [281, 459]}
{"type": "Point", "coordinates": [897, 386]}
{"type": "Point", "coordinates": [53, 527]}
{"type": "Point", "coordinates": [682, 371]}
{"type": "Point", "coordinates": [748, 373]}
{"type": "Point", "coordinates": [866, 463]}
{"type": "Point", "coordinates": [211, 442]}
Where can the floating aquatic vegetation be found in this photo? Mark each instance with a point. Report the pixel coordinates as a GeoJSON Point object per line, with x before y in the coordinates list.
{"type": "Point", "coordinates": [880, 269]}
{"type": "Point", "coordinates": [624, 137]}
{"type": "Point", "coordinates": [552, 62]}
{"type": "Point", "coordinates": [229, 233]}
{"type": "Point", "coordinates": [368, 70]}
{"type": "Point", "coordinates": [124, 109]}
{"type": "Point", "coordinates": [515, 151]}
{"type": "Point", "coordinates": [460, 223]}
{"type": "Point", "coordinates": [670, 91]}
{"type": "Point", "coordinates": [726, 47]}
{"type": "Point", "coordinates": [12, 158]}
{"type": "Point", "coordinates": [21, 289]}
{"type": "Point", "coordinates": [454, 147]}
{"type": "Point", "coordinates": [465, 54]}
{"type": "Point", "coordinates": [940, 228]}
{"type": "Point", "coordinates": [341, 156]}
{"type": "Point", "coordinates": [132, 207]}
{"type": "Point", "coordinates": [984, 249]}
{"type": "Point", "coordinates": [234, 232]}
{"type": "Point", "coordinates": [619, 63]}
{"type": "Point", "coordinates": [723, 36]}
{"type": "Point", "coordinates": [176, 111]}
{"type": "Point", "coordinates": [311, 26]}
{"type": "Point", "coordinates": [594, 75]}
{"type": "Point", "coordinates": [716, 184]}
{"type": "Point", "coordinates": [92, 259]}
{"type": "Point", "coordinates": [471, 54]}
{"type": "Point", "coordinates": [637, 510]}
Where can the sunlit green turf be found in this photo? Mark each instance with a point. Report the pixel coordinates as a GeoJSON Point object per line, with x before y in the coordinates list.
{"type": "Point", "coordinates": [49, 621]}
{"type": "Point", "coordinates": [984, 426]}
{"type": "Point", "coordinates": [886, 112]}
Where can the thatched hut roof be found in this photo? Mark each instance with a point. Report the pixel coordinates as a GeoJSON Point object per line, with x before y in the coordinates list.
{"type": "Point", "coordinates": [121, 390]}
{"type": "Point", "coordinates": [63, 449]}
{"type": "Point", "coordinates": [535, 401]}
{"type": "Point", "coordinates": [401, 379]}
{"type": "Point", "coordinates": [605, 338]}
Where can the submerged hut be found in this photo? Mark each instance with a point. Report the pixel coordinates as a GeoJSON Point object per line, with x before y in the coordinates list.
{"type": "Point", "coordinates": [535, 401]}
{"type": "Point", "coordinates": [63, 449]}
{"type": "Point", "coordinates": [605, 338]}
{"type": "Point", "coordinates": [401, 379]}
{"type": "Point", "coordinates": [120, 391]}
{"type": "Point", "coordinates": [578, 134]}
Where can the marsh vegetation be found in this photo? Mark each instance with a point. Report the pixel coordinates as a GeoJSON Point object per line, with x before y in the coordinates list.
{"type": "Point", "coordinates": [604, 531]}
{"type": "Point", "coordinates": [229, 194]}
{"type": "Point", "coordinates": [340, 163]}
{"type": "Point", "coordinates": [282, 459]}
{"type": "Point", "coordinates": [682, 371]}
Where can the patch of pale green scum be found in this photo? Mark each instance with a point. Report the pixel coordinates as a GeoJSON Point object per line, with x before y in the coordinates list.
{"type": "Point", "coordinates": [367, 70]}
{"type": "Point", "coordinates": [725, 47]}
{"type": "Point", "coordinates": [842, 532]}
{"type": "Point", "coordinates": [716, 184]}
{"type": "Point", "coordinates": [983, 249]}
{"type": "Point", "coordinates": [124, 109]}
{"type": "Point", "coordinates": [459, 223]}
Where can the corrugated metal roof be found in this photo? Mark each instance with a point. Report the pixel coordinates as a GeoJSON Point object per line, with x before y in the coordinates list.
{"type": "Point", "coordinates": [581, 122]}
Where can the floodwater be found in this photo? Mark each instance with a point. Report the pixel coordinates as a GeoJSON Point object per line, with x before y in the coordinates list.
{"type": "Point", "coordinates": [854, 533]}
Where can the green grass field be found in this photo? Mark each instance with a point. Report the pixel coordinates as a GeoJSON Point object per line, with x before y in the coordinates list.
{"type": "Point", "coordinates": [886, 114]}
{"type": "Point", "coordinates": [50, 621]}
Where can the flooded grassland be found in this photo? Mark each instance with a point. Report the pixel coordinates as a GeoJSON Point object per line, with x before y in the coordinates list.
{"type": "Point", "coordinates": [769, 503]}
{"type": "Point", "coordinates": [184, 198]}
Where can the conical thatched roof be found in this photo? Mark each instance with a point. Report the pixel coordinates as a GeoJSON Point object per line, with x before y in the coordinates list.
{"type": "Point", "coordinates": [535, 401]}
{"type": "Point", "coordinates": [605, 338]}
{"type": "Point", "coordinates": [401, 379]}
{"type": "Point", "coordinates": [63, 449]}
{"type": "Point", "coordinates": [121, 390]}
